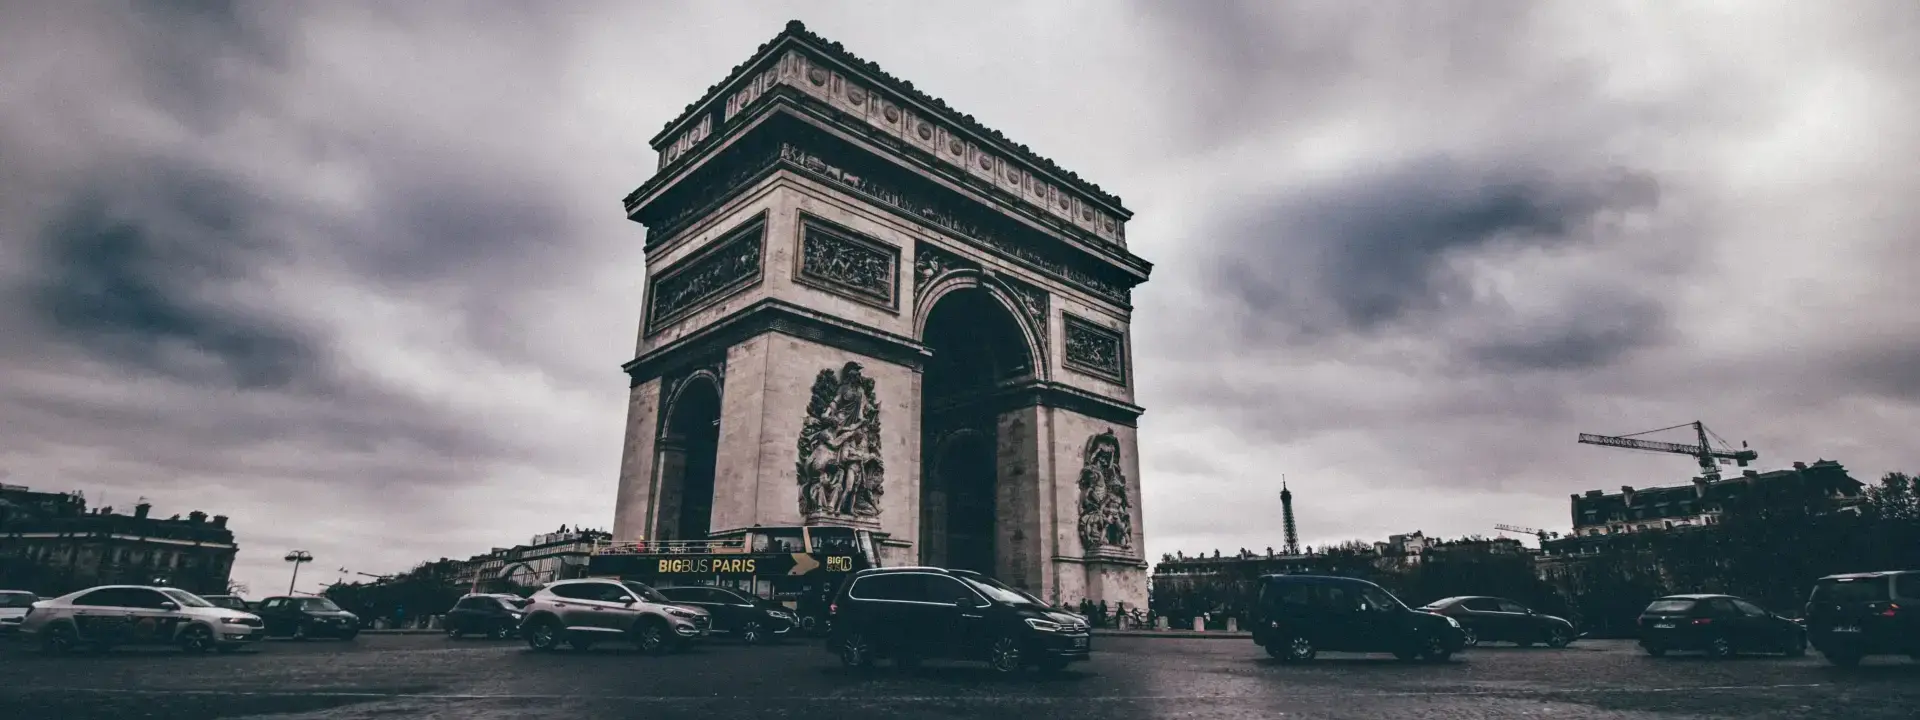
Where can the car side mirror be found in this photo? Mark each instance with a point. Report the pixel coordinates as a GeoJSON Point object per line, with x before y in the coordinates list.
{"type": "Point", "coordinates": [628, 600]}
{"type": "Point", "coordinates": [169, 606]}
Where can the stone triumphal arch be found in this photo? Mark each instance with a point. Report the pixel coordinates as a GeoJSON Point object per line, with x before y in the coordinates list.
{"type": "Point", "coordinates": [865, 309]}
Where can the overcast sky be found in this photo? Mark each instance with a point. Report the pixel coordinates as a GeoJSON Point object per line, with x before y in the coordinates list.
{"type": "Point", "coordinates": [357, 275]}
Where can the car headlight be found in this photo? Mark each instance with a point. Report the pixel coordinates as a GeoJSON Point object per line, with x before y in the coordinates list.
{"type": "Point", "coordinates": [516, 615]}
{"type": "Point", "coordinates": [1451, 621]}
{"type": "Point", "coordinates": [677, 612]}
{"type": "Point", "coordinates": [1043, 625]}
{"type": "Point", "coordinates": [235, 621]}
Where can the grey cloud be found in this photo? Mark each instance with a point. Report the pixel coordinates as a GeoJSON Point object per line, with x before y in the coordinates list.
{"type": "Point", "coordinates": [1373, 251]}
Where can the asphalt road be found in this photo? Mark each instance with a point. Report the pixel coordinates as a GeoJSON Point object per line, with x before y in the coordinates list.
{"type": "Point", "coordinates": [428, 676]}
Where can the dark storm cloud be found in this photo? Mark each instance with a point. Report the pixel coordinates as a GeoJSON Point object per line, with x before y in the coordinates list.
{"type": "Point", "coordinates": [1372, 251]}
{"type": "Point", "coordinates": [134, 262]}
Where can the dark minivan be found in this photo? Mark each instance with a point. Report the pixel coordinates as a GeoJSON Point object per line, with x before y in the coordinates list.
{"type": "Point", "coordinates": [1852, 616]}
{"type": "Point", "coordinates": [1298, 616]}
{"type": "Point", "coordinates": [907, 614]}
{"type": "Point", "coordinates": [1718, 625]}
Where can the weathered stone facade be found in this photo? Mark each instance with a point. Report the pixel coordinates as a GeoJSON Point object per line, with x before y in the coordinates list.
{"type": "Point", "coordinates": [808, 217]}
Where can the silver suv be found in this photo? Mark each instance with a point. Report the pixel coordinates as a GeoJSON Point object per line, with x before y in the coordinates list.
{"type": "Point", "coordinates": [583, 612]}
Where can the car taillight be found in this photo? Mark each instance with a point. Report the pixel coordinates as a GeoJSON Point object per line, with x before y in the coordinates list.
{"type": "Point", "coordinates": [1891, 610]}
{"type": "Point", "coordinates": [1703, 621]}
{"type": "Point", "coordinates": [833, 609]}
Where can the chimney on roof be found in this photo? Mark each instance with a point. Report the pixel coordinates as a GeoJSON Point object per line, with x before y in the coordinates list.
{"type": "Point", "coordinates": [220, 521]}
{"type": "Point", "coordinates": [140, 511]}
{"type": "Point", "coordinates": [1626, 494]}
{"type": "Point", "coordinates": [196, 517]}
{"type": "Point", "coordinates": [1797, 465]}
{"type": "Point", "coordinates": [1595, 493]}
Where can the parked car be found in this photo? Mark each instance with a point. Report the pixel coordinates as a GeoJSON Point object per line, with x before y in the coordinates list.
{"type": "Point", "coordinates": [1492, 619]}
{"type": "Point", "coordinates": [1718, 625]}
{"type": "Point", "coordinates": [230, 602]}
{"type": "Point", "coordinates": [1295, 617]}
{"type": "Point", "coordinates": [302, 618]}
{"type": "Point", "coordinates": [907, 614]}
{"type": "Point", "coordinates": [13, 609]}
{"type": "Point", "coordinates": [751, 619]}
{"type": "Point", "coordinates": [1852, 616]}
{"type": "Point", "coordinates": [493, 615]}
{"type": "Point", "coordinates": [109, 616]}
{"type": "Point", "coordinates": [583, 612]}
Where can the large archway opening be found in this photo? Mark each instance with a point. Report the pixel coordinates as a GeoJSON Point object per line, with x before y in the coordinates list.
{"type": "Point", "coordinates": [690, 453]}
{"type": "Point", "coordinates": [977, 347]}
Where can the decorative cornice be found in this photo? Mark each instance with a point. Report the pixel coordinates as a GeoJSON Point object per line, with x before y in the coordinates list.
{"type": "Point", "coordinates": [773, 315]}
{"type": "Point", "coordinates": [788, 59]}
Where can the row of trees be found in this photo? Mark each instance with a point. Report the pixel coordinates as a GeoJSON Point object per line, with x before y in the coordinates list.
{"type": "Point", "coordinates": [1770, 546]}
{"type": "Point", "coordinates": [428, 589]}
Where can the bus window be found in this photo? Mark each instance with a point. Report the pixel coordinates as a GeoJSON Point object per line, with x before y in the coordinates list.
{"type": "Point", "coordinates": [833, 541]}
{"type": "Point", "coordinates": [783, 540]}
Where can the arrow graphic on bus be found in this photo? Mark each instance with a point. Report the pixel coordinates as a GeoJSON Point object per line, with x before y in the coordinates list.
{"type": "Point", "coordinates": [803, 564]}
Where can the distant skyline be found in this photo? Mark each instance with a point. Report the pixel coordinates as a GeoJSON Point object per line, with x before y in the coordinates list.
{"type": "Point", "coordinates": [356, 274]}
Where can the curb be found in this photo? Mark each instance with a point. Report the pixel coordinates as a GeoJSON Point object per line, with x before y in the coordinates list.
{"type": "Point", "coordinates": [408, 631]}
{"type": "Point", "coordinates": [1188, 634]}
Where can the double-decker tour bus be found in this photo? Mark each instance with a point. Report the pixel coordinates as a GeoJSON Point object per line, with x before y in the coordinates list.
{"type": "Point", "coordinates": [797, 566]}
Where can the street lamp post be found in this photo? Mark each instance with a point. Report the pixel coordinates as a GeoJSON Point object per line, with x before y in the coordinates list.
{"type": "Point", "coordinates": [296, 557]}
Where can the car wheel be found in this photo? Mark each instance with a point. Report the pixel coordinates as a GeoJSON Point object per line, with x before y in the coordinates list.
{"type": "Point", "coordinates": [196, 639]}
{"type": "Point", "coordinates": [856, 652]}
{"type": "Point", "coordinates": [455, 633]}
{"type": "Point", "coordinates": [1294, 649]}
{"type": "Point", "coordinates": [651, 637]}
{"type": "Point", "coordinates": [1559, 637]}
{"type": "Point", "coordinates": [60, 640]}
{"type": "Point", "coordinates": [1469, 638]}
{"type": "Point", "coordinates": [1004, 655]}
{"type": "Point", "coordinates": [544, 635]}
{"type": "Point", "coordinates": [752, 633]}
{"type": "Point", "coordinates": [1719, 648]}
{"type": "Point", "coordinates": [1434, 649]}
{"type": "Point", "coordinates": [1656, 651]}
{"type": "Point", "coordinates": [502, 632]}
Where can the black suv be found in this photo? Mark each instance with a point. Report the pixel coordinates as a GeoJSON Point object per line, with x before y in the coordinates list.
{"type": "Point", "coordinates": [910, 613]}
{"type": "Point", "coordinates": [1718, 625]}
{"type": "Point", "coordinates": [753, 620]}
{"type": "Point", "coordinates": [1297, 616]}
{"type": "Point", "coordinates": [1852, 616]}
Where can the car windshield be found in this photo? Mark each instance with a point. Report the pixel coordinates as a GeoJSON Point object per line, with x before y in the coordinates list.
{"type": "Point", "coordinates": [1673, 605]}
{"type": "Point", "coordinates": [16, 600]}
{"type": "Point", "coordinates": [645, 592]}
{"type": "Point", "coordinates": [993, 589]}
{"type": "Point", "coordinates": [1864, 590]}
{"type": "Point", "coordinates": [186, 599]}
{"type": "Point", "coordinates": [318, 604]}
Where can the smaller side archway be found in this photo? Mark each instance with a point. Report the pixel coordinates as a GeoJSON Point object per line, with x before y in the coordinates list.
{"type": "Point", "coordinates": [689, 457]}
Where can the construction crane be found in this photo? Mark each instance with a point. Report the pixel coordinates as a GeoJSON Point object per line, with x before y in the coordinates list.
{"type": "Point", "coordinates": [1517, 529]}
{"type": "Point", "coordinates": [1705, 451]}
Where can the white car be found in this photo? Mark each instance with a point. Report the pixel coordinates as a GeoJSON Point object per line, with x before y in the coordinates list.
{"type": "Point", "coordinates": [110, 615]}
{"type": "Point", "coordinates": [13, 608]}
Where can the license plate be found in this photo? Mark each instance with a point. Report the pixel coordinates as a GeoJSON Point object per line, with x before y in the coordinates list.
{"type": "Point", "coordinates": [1079, 643]}
{"type": "Point", "coordinates": [1847, 629]}
{"type": "Point", "coordinates": [1664, 626]}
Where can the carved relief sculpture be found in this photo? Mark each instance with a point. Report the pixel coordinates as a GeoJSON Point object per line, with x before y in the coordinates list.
{"type": "Point", "coordinates": [855, 267]}
{"type": "Point", "coordinates": [839, 471]}
{"type": "Point", "coordinates": [1094, 350]}
{"type": "Point", "coordinates": [1106, 513]}
{"type": "Point", "coordinates": [930, 262]}
{"type": "Point", "coordinates": [731, 264]}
